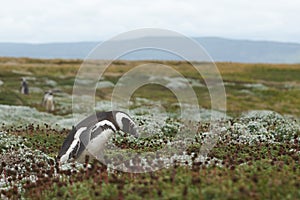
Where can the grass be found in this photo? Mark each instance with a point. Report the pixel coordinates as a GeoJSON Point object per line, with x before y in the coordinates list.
{"type": "Point", "coordinates": [258, 171]}
{"type": "Point", "coordinates": [180, 183]}
{"type": "Point", "coordinates": [233, 170]}
{"type": "Point", "coordinates": [282, 81]}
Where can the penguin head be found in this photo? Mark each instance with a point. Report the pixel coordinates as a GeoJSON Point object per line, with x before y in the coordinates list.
{"type": "Point", "coordinates": [72, 146]}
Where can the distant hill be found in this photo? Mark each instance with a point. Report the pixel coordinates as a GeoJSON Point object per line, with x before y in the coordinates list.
{"type": "Point", "coordinates": [220, 49]}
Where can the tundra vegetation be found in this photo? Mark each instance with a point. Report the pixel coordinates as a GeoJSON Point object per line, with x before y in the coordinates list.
{"type": "Point", "coordinates": [256, 156]}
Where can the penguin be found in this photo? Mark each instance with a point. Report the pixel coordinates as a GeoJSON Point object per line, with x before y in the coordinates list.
{"type": "Point", "coordinates": [44, 98]}
{"type": "Point", "coordinates": [24, 87]}
{"type": "Point", "coordinates": [89, 136]}
{"type": "Point", "coordinates": [48, 101]}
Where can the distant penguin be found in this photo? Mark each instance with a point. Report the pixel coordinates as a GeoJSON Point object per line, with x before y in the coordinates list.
{"type": "Point", "coordinates": [45, 98]}
{"type": "Point", "coordinates": [91, 134]}
{"type": "Point", "coordinates": [24, 87]}
{"type": "Point", "coordinates": [48, 101]}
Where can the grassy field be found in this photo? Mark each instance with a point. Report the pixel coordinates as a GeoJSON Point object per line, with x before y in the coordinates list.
{"type": "Point", "coordinates": [256, 157]}
{"type": "Point", "coordinates": [248, 86]}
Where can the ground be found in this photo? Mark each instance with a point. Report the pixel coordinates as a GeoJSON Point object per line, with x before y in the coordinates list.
{"type": "Point", "coordinates": [256, 155]}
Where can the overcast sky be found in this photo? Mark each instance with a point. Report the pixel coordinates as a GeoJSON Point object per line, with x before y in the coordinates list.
{"type": "Point", "coordinates": [40, 21]}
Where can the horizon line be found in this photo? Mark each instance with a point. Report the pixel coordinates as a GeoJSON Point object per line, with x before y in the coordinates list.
{"type": "Point", "coordinates": [193, 37]}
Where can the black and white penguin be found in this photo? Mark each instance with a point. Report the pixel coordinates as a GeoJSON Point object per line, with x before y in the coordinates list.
{"type": "Point", "coordinates": [91, 134]}
{"type": "Point", "coordinates": [48, 101]}
{"type": "Point", "coordinates": [24, 87]}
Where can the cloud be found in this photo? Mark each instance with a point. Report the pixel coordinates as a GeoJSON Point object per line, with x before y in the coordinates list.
{"type": "Point", "coordinates": [90, 20]}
